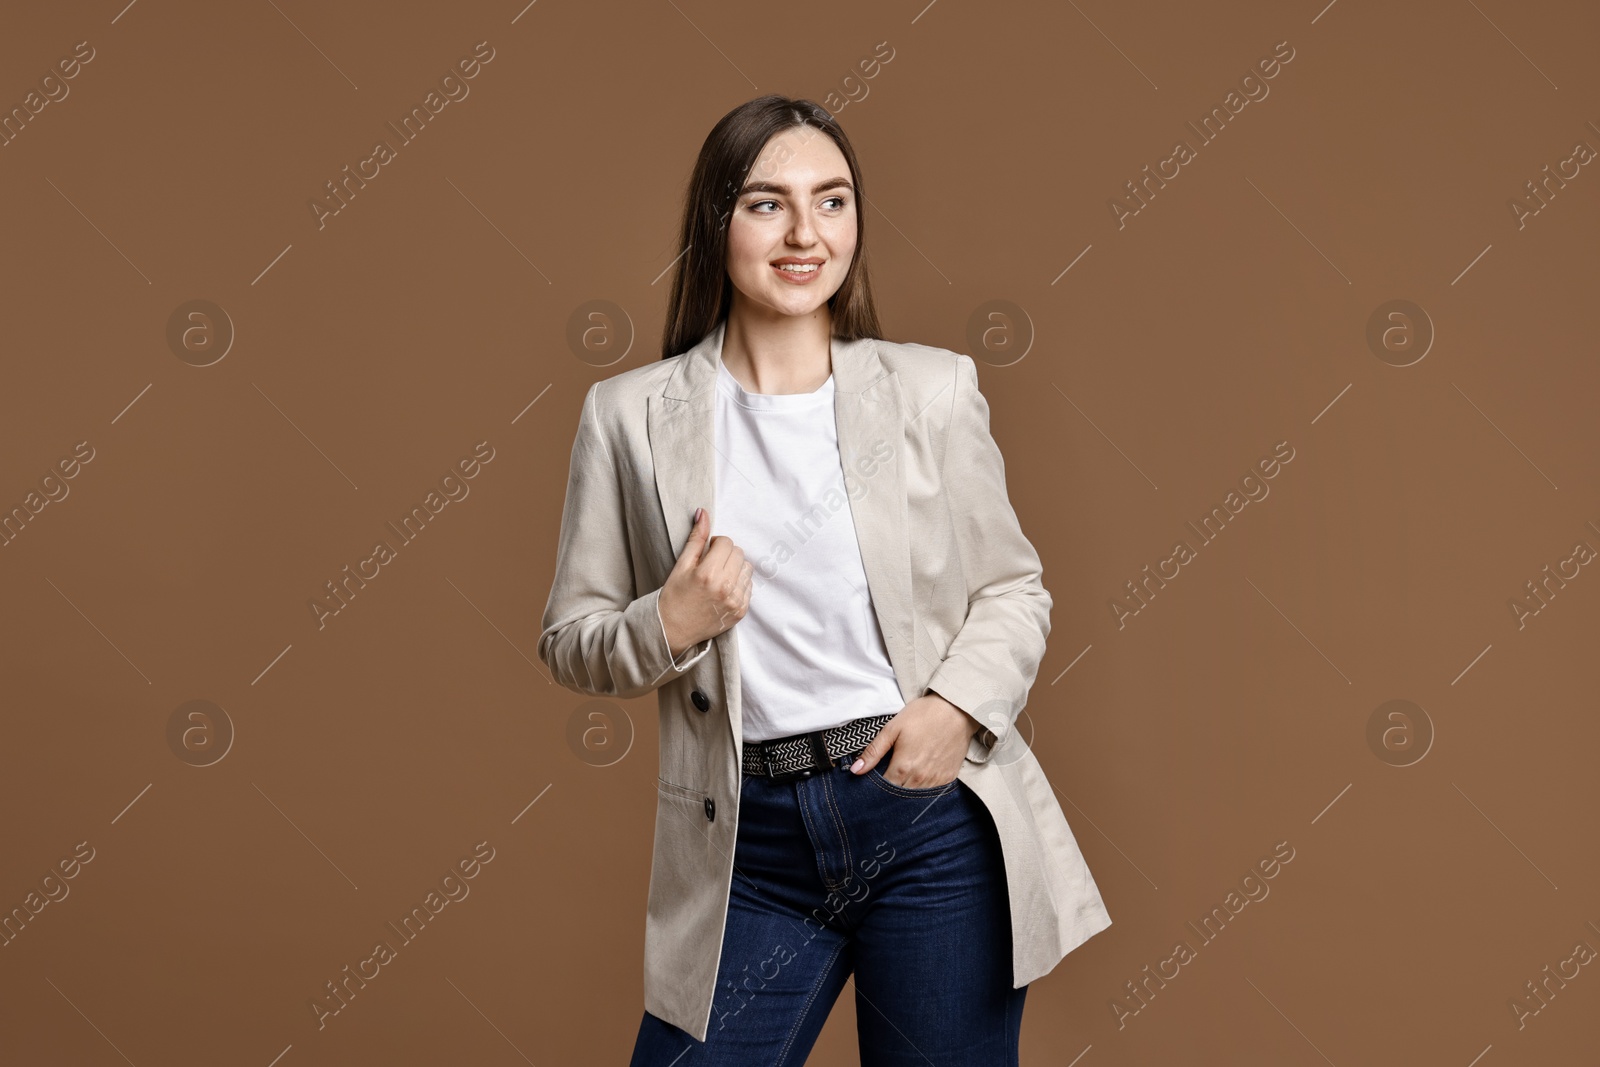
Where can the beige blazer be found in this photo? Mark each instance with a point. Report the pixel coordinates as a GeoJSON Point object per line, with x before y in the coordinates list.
{"type": "Point", "coordinates": [954, 584]}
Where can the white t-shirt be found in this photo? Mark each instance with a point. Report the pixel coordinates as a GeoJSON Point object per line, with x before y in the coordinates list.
{"type": "Point", "coordinates": [811, 653]}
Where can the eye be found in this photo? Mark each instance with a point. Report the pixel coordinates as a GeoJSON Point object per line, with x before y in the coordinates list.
{"type": "Point", "coordinates": [840, 199]}
{"type": "Point", "coordinates": [758, 203]}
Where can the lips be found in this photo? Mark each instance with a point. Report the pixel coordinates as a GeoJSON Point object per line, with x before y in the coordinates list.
{"type": "Point", "coordinates": [808, 268]}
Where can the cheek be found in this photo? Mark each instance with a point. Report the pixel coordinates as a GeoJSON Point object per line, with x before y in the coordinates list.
{"type": "Point", "coordinates": [842, 238]}
{"type": "Point", "coordinates": [743, 254]}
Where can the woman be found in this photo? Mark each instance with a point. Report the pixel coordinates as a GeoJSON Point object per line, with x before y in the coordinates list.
{"type": "Point", "coordinates": [839, 667]}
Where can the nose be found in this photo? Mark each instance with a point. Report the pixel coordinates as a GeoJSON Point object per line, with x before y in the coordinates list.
{"type": "Point", "coordinates": [803, 234]}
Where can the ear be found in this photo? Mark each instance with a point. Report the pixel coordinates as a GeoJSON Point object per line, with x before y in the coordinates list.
{"type": "Point", "coordinates": [881, 743]}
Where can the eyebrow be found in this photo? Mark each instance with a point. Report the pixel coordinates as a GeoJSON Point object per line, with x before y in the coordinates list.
{"type": "Point", "coordinates": [780, 188]}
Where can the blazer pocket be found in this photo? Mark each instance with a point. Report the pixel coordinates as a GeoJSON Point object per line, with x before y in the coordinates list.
{"type": "Point", "coordinates": [682, 792]}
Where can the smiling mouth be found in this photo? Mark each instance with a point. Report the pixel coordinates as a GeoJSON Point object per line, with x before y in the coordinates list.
{"type": "Point", "coordinates": [799, 268]}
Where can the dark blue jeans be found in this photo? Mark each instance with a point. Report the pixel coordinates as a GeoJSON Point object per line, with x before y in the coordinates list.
{"type": "Point", "coordinates": [840, 875]}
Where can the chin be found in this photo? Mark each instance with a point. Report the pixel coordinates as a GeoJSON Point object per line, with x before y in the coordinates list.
{"type": "Point", "coordinates": [801, 311]}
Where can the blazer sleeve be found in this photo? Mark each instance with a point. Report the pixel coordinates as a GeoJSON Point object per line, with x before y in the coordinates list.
{"type": "Point", "coordinates": [598, 637]}
{"type": "Point", "coordinates": [993, 659]}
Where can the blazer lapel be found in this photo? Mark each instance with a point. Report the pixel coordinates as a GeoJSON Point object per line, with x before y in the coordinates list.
{"type": "Point", "coordinates": [869, 410]}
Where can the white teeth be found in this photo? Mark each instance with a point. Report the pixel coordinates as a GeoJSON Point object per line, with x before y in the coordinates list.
{"type": "Point", "coordinates": [799, 268]}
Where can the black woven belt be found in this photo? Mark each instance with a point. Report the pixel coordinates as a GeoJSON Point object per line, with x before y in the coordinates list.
{"type": "Point", "coordinates": [802, 754]}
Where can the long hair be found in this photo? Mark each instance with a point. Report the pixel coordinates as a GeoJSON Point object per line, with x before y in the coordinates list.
{"type": "Point", "coordinates": [702, 292]}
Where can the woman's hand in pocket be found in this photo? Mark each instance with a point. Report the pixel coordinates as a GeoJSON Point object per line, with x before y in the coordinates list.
{"type": "Point", "coordinates": [708, 590]}
{"type": "Point", "coordinates": [928, 739]}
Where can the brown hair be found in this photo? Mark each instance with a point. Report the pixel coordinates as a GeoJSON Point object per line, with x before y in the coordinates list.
{"type": "Point", "coordinates": [702, 292]}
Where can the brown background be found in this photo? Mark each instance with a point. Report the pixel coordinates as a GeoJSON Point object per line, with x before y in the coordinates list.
{"type": "Point", "coordinates": [369, 755]}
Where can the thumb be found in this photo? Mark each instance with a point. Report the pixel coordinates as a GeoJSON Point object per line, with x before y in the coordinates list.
{"type": "Point", "coordinates": [695, 546]}
{"type": "Point", "coordinates": [881, 743]}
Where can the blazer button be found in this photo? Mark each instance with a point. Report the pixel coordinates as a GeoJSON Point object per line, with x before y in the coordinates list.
{"type": "Point", "coordinates": [711, 810]}
{"type": "Point", "coordinates": [700, 700]}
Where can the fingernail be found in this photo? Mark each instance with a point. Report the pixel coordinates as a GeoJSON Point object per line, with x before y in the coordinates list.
{"type": "Point", "coordinates": [857, 765]}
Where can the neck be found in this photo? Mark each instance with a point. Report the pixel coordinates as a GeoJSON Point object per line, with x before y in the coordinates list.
{"type": "Point", "coordinates": [778, 353]}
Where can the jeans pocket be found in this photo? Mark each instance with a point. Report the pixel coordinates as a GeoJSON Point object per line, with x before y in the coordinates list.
{"type": "Point", "coordinates": [904, 791]}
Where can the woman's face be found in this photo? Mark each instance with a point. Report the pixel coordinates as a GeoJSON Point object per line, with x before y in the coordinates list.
{"type": "Point", "coordinates": [797, 205]}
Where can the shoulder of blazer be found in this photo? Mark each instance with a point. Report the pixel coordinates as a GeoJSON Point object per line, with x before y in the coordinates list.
{"type": "Point", "coordinates": [926, 373]}
{"type": "Point", "coordinates": [629, 391]}
{"type": "Point", "coordinates": [641, 381]}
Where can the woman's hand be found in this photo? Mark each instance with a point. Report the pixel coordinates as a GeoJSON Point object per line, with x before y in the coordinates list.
{"type": "Point", "coordinates": [705, 594]}
{"type": "Point", "coordinates": [929, 737]}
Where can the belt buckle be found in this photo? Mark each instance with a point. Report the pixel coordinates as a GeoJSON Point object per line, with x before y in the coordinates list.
{"type": "Point", "coordinates": [776, 776]}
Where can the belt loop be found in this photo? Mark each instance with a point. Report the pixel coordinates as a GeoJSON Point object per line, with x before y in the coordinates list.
{"type": "Point", "coordinates": [819, 749]}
